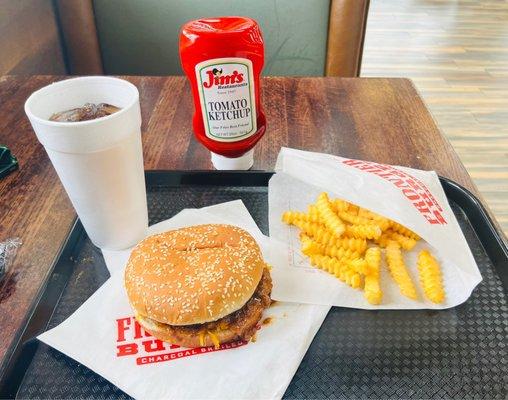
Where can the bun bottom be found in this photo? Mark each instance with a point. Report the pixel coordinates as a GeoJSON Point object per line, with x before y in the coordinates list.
{"type": "Point", "coordinates": [240, 325]}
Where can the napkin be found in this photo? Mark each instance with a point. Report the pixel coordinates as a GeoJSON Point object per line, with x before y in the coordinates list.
{"type": "Point", "coordinates": [408, 196]}
{"type": "Point", "coordinates": [104, 336]}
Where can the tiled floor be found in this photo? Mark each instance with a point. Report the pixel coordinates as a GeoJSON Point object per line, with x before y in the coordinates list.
{"type": "Point", "coordinates": [456, 52]}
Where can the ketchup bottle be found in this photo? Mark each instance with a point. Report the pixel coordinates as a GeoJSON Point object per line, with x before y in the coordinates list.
{"type": "Point", "coordinates": [222, 58]}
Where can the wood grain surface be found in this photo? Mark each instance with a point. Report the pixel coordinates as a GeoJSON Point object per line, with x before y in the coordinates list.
{"type": "Point", "coordinates": [382, 120]}
{"type": "Point", "coordinates": [456, 53]}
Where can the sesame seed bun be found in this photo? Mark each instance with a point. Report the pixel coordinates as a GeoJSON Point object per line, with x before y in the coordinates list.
{"type": "Point", "coordinates": [240, 325]}
{"type": "Point", "coordinates": [193, 275]}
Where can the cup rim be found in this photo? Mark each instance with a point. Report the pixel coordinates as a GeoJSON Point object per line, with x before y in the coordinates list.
{"type": "Point", "coordinates": [40, 92]}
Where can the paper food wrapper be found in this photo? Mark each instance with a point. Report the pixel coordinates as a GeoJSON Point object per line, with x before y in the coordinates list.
{"type": "Point", "coordinates": [411, 197]}
{"type": "Point", "coordinates": [104, 336]}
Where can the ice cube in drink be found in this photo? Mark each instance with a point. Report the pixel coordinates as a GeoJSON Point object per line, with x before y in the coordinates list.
{"type": "Point", "coordinates": [88, 112]}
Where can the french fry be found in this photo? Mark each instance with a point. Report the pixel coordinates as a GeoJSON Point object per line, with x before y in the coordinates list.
{"type": "Point", "coordinates": [355, 219]}
{"type": "Point", "coordinates": [430, 277]}
{"type": "Point", "coordinates": [330, 219]}
{"type": "Point", "coordinates": [350, 277]}
{"type": "Point", "coordinates": [395, 226]}
{"type": "Point", "coordinates": [320, 234]}
{"type": "Point", "coordinates": [373, 259]}
{"type": "Point", "coordinates": [290, 217]}
{"type": "Point", "coordinates": [310, 246]}
{"type": "Point", "coordinates": [310, 228]}
{"type": "Point", "coordinates": [385, 237]}
{"type": "Point", "coordinates": [406, 242]}
{"type": "Point", "coordinates": [337, 268]}
{"type": "Point", "coordinates": [340, 253]}
{"type": "Point", "coordinates": [372, 288]}
{"type": "Point", "coordinates": [398, 270]}
{"type": "Point", "coordinates": [324, 236]}
{"type": "Point", "coordinates": [363, 231]}
{"type": "Point", "coordinates": [354, 244]}
{"type": "Point", "coordinates": [323, 262]}
{"type": "Point", "coordinates": [359, 265]}
{"type": "Point", "coordinates": [383, 222]}
{"type": "Point", "coordinates": [353, 209]}
{"type": "Point", "coordinates": [339, 205]}
{"type": "Point", "coordinates": [314, 213]}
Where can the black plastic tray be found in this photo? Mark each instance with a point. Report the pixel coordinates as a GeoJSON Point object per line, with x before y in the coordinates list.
{"type": "Point", "coordinates": [456, 353]}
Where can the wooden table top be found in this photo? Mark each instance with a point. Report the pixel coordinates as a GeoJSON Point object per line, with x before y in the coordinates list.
{"type": "Point", "coordinates": [382, 120]}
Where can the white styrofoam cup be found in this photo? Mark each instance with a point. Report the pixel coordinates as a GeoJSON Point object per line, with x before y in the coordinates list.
{"type": "Point", "coordinates": [100, 161]}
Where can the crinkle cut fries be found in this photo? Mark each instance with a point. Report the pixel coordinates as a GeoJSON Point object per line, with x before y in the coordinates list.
{"type": "Point", "coordinates": [346, 241]}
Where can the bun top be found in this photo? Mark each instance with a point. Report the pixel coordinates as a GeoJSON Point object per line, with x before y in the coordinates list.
{"type": "Point", "coordinates": [193, 275]}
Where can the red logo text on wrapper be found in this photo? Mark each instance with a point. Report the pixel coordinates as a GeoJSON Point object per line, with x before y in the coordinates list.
{"type": "Point", "coordinates": [412, 188]}
{"type": "Point", "coordinates": [133, 341]}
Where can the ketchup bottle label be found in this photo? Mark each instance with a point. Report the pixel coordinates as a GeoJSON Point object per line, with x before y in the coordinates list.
{"type": "Point", "coordinates": [226, 91]}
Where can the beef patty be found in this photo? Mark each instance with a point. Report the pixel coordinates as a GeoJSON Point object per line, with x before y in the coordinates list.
{"type": "Point", "coordinates": [239, 325]}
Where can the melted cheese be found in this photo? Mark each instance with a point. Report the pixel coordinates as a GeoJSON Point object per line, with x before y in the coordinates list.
{"type": "Point", "coordinates": [215, 339]}
{"type": "Point", "coordinates": [202, 338]}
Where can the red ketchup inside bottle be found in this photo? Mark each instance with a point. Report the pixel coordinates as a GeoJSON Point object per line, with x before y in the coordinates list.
{"type": "Point", "coordinates": [222, 58]}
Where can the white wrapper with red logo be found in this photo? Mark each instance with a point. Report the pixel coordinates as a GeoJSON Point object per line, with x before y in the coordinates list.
{"type": "Point", "coordinates": [411, 197]}
{"type": "Point", "coordinates": [102, 335]}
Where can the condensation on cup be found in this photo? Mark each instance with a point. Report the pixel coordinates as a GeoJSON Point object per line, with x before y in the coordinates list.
{"type": "Point", "coordinates": [99, 161]}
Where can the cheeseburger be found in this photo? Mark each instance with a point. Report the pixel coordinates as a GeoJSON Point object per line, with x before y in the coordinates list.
{"type": "Point", "coordinates": [199, 286]}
